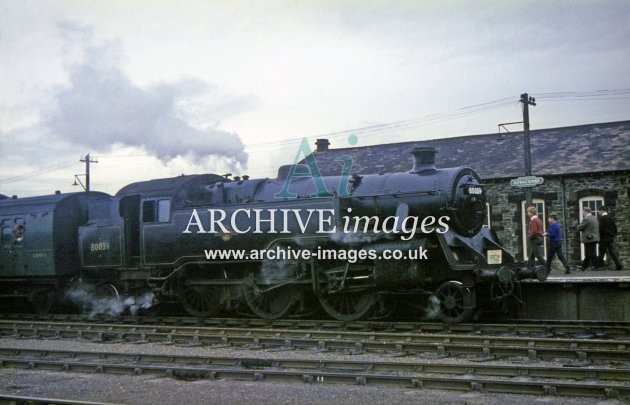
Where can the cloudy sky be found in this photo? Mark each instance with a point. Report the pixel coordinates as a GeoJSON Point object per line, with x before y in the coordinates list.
{"type": "Point", "coordinates": [154, 88]}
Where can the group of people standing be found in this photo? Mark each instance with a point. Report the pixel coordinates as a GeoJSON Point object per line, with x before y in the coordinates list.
{"type": "Point", "coordinates": [593, 230]}
{"type": "Point", "coordinates": [600, 230]}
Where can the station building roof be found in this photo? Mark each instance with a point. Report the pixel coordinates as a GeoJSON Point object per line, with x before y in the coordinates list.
{"type": "Point", "coordinates": [577, 149]}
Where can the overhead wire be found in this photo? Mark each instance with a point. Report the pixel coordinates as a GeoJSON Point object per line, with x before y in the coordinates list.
{"type": "Point", "coordinates": [384, 128]}
{"type": "Point", "coordinates": [397, 126]}
{"type": "Point", "coordinates": [48, 169]}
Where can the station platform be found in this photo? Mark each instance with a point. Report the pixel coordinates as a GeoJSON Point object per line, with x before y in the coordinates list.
{"type": "Point", "coordinates": [581, 295]}
{"type": "Point", "coordinates": [589, 276]}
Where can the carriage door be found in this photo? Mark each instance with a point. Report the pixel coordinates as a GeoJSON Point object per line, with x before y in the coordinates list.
{"type": "Point", "coordinates": [12, 260]}
{"type": "Point", "coordinates": [540, 207]}
{"type": "Point", "coordinates": [130, 212]}
{"type": "Point", "coordinates": [155, 214]}
{"type": "Point", "coordinates": [6, 248]}
{"type": "Point", "coordinates": [594, 202]}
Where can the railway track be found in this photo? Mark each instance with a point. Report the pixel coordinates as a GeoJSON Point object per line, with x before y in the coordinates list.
{"type": "Point", "coordinates": [535, 328]}
{"type": "Point", "coordinates": [597, 382]}
{"type": "Point", "coordinates": [395, 343]}
{"type": "Point", "coordinates": [518, 359]}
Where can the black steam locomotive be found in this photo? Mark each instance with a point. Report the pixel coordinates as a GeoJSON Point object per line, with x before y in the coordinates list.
{"type": "Point", "coordinates": [353, 246]}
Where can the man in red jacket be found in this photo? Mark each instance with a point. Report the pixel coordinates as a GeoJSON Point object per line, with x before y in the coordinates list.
{"type": "Point", "coordinates": [535, 238]}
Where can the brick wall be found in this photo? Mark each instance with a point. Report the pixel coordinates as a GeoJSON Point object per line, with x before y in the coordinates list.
{"type": "Point", "coordinates": [561, 195]}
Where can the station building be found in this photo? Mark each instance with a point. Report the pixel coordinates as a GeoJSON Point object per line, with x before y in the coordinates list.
{"type": "Point", "coordinates": [585, 165]}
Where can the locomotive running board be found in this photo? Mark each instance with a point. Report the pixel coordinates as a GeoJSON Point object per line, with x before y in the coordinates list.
{"type": "Point", "coordinates": [476, 245]}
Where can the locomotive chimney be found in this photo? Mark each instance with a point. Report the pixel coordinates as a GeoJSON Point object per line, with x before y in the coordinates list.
{"type": "Point", "coordinates": [322, 145]}
{"type": "Point", "coordinates": [423, 159]}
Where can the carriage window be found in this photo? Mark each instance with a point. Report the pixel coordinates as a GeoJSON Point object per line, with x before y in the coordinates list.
{"type": "Point", "coordinates": [18, 233]}
{"type": "Point", "coordinates": [164, 210]}
{"type": "Point", "coordinates": [18, 230]}
{"type": "Point", "coordinates": [148, 211]}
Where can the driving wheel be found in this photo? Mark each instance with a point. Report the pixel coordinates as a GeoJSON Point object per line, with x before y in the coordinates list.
{"type": "Point", "coordinates": [102, 299]}
{"type": "Point", "coordinates": [349, 305]}
{"type": "Point", "coordinates": [201, 300]}
{"type": "Point", "coordinates": [43, 301]}
{"type": "Point", "coordinates": [453, 300]}
{"type": "Point", "coordinates": [272, 303]}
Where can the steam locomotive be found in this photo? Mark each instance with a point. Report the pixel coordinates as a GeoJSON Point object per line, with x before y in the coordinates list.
{"type": "Point", "coordinates": [352, 246]}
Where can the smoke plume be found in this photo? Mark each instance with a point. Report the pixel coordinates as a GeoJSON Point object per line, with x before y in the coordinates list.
{"type": "Point", "coordinates": [102, 107]}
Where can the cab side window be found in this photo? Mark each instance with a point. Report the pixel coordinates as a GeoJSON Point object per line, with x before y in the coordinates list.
{"type": "Point", "coordinates": [148, 211]}
{"type": "Point", "coordinates": [164, 210]}
{"type": "Point", "coordinates": [156, 211]}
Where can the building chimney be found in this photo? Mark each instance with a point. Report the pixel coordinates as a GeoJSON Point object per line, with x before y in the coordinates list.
{"type": "Point", "coordinates": [423, 159]}
{"type": "Point", "coordinates": [322, 145]}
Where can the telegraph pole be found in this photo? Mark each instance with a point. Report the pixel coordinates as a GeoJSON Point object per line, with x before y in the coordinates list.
{"type": "Point", "coordinates": [527, 101]}
{"type": "Point", "coordinates": [87, 170]}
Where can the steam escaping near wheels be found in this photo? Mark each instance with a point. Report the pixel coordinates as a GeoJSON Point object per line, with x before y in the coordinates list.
{"type": "Point", "coordinates": [104, 299]}
{"type": "Point", "coordinates": [432, 310]}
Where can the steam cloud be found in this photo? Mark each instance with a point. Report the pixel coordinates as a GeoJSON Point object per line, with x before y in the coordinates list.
{"type": "Point", "coordinates": [93, 304]}
{"type": "Point", "coordinates": [432, 310]}
{"type": "Point", "coordinates": [102, 107]}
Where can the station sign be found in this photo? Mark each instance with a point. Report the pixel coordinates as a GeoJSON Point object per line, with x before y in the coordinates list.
{"type": "Point", "coordinates": [526, 181]}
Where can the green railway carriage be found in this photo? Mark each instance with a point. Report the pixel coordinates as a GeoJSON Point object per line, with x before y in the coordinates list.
{"type": "Point", "coordinates": [39, 252]}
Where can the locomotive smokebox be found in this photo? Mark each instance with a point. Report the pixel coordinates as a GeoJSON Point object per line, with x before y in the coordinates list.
{"type": "Point", "coordinates": [393, 274]}
{"type": "Point", "coordinates": [423, 159]}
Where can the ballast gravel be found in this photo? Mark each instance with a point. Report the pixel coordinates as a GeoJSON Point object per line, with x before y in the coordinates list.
{"type": "Point", "coordinates": [124, 389]}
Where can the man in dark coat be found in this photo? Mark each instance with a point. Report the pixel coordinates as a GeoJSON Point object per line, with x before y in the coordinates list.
{"type": "Point", "coordinates": [590, 236]}
{"type": "Point", "coordinates": [607, 233]}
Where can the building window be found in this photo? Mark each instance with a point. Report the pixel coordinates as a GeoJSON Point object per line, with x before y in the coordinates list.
{"type": "Point", "coordinates": [540, 208]}
{"type": "Point", "coordinates": [593, 202]}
